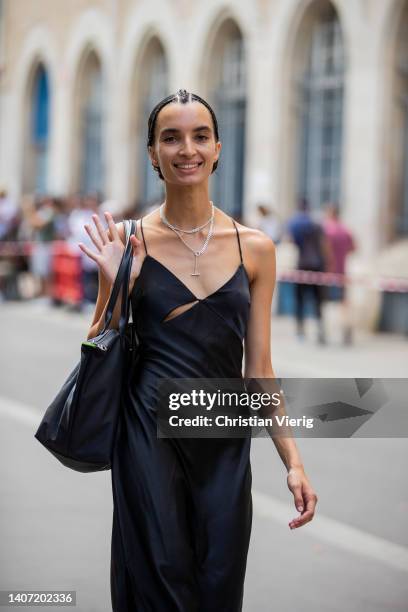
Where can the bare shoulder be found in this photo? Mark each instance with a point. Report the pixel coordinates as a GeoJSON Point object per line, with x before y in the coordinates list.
{"type": "Point", "coordinates": [255, 243]}
{"type": "Point", "coordinates": [258, 249]}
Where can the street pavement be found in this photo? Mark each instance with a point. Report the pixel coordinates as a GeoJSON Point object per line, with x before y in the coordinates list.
{"type": "Point", "coordinates": [56, 523]}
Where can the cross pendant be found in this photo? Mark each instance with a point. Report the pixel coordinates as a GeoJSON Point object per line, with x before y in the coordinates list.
{"type": "Point", "coordinates": [195, 272]}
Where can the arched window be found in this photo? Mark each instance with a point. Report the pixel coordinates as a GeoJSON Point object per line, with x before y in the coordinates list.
{"type": "Point", "coordinates": [91, 126]}
{"type": "Point", "coordinates": [36, 178]}
{"type": "Point", "coordinates": [321, 111]}
{"type": "Point", "coordinates": [227, 93]}
{"type": "Point", "coordinates": [152, 86]}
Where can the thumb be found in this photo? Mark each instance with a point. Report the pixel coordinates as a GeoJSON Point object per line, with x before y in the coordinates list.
{"type": "Point", "coordinates": [298, 501]}
{"type": "Point", "coordinates": [136, 244]}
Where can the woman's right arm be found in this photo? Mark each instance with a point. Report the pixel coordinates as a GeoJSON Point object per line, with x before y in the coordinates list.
{"type": "Point", "coordinates": [110, 244]}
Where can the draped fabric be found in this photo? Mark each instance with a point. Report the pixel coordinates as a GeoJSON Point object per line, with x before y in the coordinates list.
{"type": "Point", "coordinates": [182, 507]}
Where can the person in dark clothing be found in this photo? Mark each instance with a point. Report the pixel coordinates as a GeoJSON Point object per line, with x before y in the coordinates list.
{"type": "Point", "coordinates": [182, 508]}
{"type": "Point", "coordinates": [313, 256]}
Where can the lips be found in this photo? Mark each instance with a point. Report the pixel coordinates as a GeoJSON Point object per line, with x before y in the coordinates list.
{"type": "Point", "coordinates": [188, 166]}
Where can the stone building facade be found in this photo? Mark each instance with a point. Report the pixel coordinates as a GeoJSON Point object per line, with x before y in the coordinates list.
{"type": "Point", "coordinates": [312, 98]}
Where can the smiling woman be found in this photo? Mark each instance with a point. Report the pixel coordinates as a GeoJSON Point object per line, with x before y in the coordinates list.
{"type": "Point", "coordinates": [204, 133]}
{"type": "Point", "coordinates": [183, 507]}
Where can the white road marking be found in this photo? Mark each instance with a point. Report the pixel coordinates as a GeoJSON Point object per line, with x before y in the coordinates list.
{"type": "Point", "coordinates": [23, 413]}
{"type": "Point", "coordinates": [335, 533]}
{"type": "Point", "coordinates": [322, 528]}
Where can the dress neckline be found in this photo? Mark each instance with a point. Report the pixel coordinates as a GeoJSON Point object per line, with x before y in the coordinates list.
{"type": "Point", "coordinates": [207, 297]}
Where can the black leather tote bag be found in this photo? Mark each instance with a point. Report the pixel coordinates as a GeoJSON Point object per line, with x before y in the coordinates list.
{"type": "Point", "coordinates": [79, 426]}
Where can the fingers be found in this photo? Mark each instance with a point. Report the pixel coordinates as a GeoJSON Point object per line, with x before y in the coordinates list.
{"type": "Point", "coordinates": [308, 514]}
{"type": "Point", "coordinates": [114, 234]}
{"type": "Point", "coordinates": [103, 234]}
{"type": "Point", "coordinates": [298, 498]}
{"type": "Point", "coordinates": [88, 252]}
{"type": "Point", "coordinates": [94, 239]}
{"type": "Point", "coordinates": [301, 520]}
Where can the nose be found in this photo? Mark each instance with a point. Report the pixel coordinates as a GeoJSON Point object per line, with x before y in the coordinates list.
{"type": "Point", "coordinates": [187, 147]}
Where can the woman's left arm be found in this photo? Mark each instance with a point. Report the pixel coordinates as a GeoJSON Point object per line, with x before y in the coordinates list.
{"type": "Point", "coordinates": [258, 364]}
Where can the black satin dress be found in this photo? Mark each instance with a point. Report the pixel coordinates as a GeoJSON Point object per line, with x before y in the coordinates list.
{"type": "Point", "coordinates": [182, 507]}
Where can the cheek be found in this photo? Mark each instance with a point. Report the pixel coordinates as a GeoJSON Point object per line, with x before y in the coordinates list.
{"type": "Point", "coordinates": [162, 155]}
{"type": "Point", "coordinates": [208, 150]}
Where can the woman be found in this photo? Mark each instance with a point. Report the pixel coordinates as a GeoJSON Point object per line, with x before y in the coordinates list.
{"type": "Point", "coordinates": [199, 285]}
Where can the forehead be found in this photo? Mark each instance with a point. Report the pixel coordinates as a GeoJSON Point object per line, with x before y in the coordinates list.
{"type": "Point", "coordinates": [183, 116]}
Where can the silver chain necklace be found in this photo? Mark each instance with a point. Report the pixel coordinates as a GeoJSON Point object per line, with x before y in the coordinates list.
{"type": "Point", "coordinates": [198, 253]}
{"type": "Point", "coordinates": [184, 231]}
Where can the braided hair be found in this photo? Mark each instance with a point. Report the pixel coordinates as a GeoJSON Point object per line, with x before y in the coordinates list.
{"type": "Point", "coordinates": [181, 97]}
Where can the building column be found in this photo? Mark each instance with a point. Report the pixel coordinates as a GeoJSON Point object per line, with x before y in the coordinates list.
{"type": "Point", "coordinates": [260, 134]}
{"type": "Point", "coordinates": [363, 126]}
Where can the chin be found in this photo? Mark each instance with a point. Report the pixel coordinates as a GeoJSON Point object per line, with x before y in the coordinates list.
{"type": "Point", "coordinates": [189, 180]}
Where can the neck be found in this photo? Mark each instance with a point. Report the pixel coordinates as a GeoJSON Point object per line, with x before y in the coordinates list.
{"type": "Point", "coordinates": [187, 207]}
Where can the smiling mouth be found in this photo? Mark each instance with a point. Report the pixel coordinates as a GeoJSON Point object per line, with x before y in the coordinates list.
{"type": "Point", "coordinates": [190, 166]}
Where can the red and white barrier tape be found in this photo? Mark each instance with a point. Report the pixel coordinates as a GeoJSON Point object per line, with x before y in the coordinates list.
{"type": "Point", "coordinates": [381, 283]}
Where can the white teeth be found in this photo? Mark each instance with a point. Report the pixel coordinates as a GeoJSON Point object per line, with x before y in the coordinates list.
{"type": "Point", "coordinates": [186, 166]}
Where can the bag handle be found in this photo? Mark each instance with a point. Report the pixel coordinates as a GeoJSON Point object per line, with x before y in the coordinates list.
{"type": "Point", "coordinates": [117, 283]}
{"type": "Point", "coordinates": [121, 281]}
{"type": "Point", "coordinates": [130, 228]}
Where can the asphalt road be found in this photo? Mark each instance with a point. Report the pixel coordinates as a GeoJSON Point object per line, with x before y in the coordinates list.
{"type": "Point", "coordinates": [56, 523]}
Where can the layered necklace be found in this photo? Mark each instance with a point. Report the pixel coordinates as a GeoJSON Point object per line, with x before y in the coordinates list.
{"type": "Point", "coordinates": [178, 231]}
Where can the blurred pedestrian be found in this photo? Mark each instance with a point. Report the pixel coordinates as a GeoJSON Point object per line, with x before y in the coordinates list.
{"type": "Point", "coordinates": [61, 219]}
{"type": "Point", "coordinates": [80, 216]}
{"type": "Point", "coordinates": [341, 243]}
{"type": "Point", "coordinates": [9, 215]}
{"type": "Point", "coordinates": [41, 217]}
{"type": "Point", "coordinates": [9, 265]}
{"type": "Point", "coordinates": [269, 223]}
{"type": "Point", "coordinates": [313, 255]}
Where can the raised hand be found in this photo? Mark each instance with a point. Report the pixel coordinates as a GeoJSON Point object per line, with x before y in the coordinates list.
{"type": "Point", "coordinates": [110, 249]}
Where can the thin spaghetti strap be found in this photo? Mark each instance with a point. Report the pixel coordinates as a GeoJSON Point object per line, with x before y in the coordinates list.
{"type": "Point", "coordinates": [239, 241]}
{"type": "Point", "coordinates": [141, 227]}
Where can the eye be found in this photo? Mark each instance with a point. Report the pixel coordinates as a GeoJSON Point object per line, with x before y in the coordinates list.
{"type": "Point", "coordinates": [168, 139]}
{"type": "Point", "coordinates": [202, 137]}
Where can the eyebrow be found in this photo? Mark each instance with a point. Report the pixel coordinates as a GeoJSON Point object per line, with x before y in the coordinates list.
{"type": "Point", "coordinates": [176, 131]}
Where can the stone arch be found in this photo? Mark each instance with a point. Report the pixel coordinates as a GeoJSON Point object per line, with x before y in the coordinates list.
{"type": "Point", "coordinates": [298, 18]}
{"type": "Point", "coordinates": [206, 29]}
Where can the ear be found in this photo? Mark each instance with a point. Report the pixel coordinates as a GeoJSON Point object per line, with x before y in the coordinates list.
{"type": "Point", "coordinates": [153, 156]}
{"type": "Point", "coordinates": [218, 147]}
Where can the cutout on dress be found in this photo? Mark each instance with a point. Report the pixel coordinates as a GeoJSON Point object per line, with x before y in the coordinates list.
{"type": "Point", "coordinates": [179, 310]}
